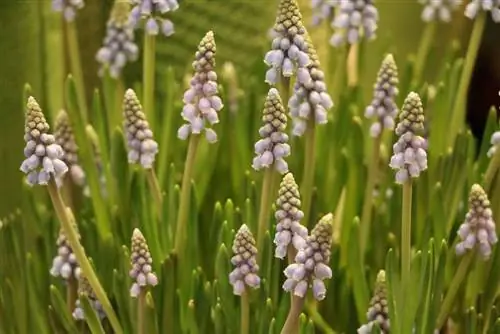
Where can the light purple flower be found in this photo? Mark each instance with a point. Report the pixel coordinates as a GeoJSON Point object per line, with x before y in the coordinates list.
{"type": "Point", "coordinates": [495, 141]}
{"type": "Point", "coordinates": [152, 13]}
{"type": "Point", "coordinates": [478, 230]}
{"type": "Point", "coordinates": [141, 263]}
{"type": "Point", "coordinates": [354, 19]}
{"type": "Point", "coordinates": [68, 8]}
{"type": "Point", "coordinates": [379, 308]}
{"type": "Point", "coordinates": [64, 263]}
{"type": "Point", "coordinates": [439, 9]}
{"type": "Point", "coordinates": [245, 273]}
{"type": "Point", "coordinates": [85, 289]}
{"type": "Point", "coordinates": [475, 6]}
{"type": "Point", "coordinates": [322, 10]}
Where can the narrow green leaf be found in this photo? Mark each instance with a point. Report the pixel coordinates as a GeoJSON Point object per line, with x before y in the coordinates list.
{"type": "Point", "coordinates": [61, 310]}
{"type": "Point", "coordinates": [91, 317]}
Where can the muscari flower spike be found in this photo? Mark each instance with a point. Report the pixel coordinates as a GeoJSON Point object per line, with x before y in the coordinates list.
{"type": "Point", "coordinates": [475, 6]}
{"type": "Point", "coordinates": [310, 98]}
{"type": "Point", "coordinates": [64, 264]}
{"type": "Point", "coordinates": [478, 228]}
{"type": "Point", "coordinates": [438, 9]}
{"type": "Point", "coordinates": [383, 107]}
{"type": "Point", "coordinates": [289, 231]}
{"type": "Point", "coordinates": [153, 12]}
{"type": "Point", "coordinates": [68, 8]}
{"type": "Point", "coordinates": [311, 263]}
{"type": "Point", "coordinates": [142, 148]}
{"type": "Point", "coordinates": [495, 141]}
{"type": "Point", "coordinates": [118, 45]}
{"type": "Point", "coordinates": [288, 55]}
{"type": "Point", "coordinates": [201, 100]}
{"type": "Point", "coordinates": [141, 262]}
{"type": "Point", "coordinates": [379, 308]}
{"type": "Point", "coordinates": [322, 10]}
{"type": "Point", "coordinates": [245, 273]}
{"type": "Point", "coordinates": [63, 133]}
{"type": "Point", "coordinates": [410, 156]}
{"type": "Point", "coordinates": [84, 288]}
{"type": "Point", "coordinates": [43, 155]}
{"type": "Point", "coordinates": [354, 19]}
{"type": "Point", "coordinates": [272, 147]}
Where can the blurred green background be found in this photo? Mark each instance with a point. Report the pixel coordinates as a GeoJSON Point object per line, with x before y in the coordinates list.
{"type": "Point", "coordinates": [31, 50]}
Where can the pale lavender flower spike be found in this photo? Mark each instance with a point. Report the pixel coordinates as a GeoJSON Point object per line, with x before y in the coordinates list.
{"type": "Point", "coordinates": [353, 20]}
{"type": "Point", "coordinates": [85, 289]}
{"type": "Point", "coordinates": [383, 107]}
{"type": "Point", "coordinates": [475, 6]}
{"type": "Point", "coordinates": [322, 10]}
{"type": "Point", "coordinates": [495, 141]}
{"type": "Point", "coordinates": [439, 9]}
{"type": "Point", "coordinates": [310, 100]}
{"type": "Point", "coordinates": [141, 262]}
{"type": "Point", "coordinates": [43, 155]}
{"type": "Point", "coordinates": [478, 230]}
{"type": "Point", "coordinates": [289, 49]}
{"type": "Point", "coordinates": [142, 148]}
{"type": "Point", "coordinates": [201, 100]}
{"type": "Point", "coordinates": [152, 11]}
{"type": "Point", "coordinates": [64, 264]}
{"type": "Point", "coordinates": [311, 265]}
{"type": "Point", "coordinates": [410, 156]}
{"type": "Point", "coordinates": [68, 8]}
{"type": "Point", "coordinates": [272, 147]}
{"type": "Point", "coordinates": [245, 273]}
{"type": "Point", "coordinates": [289, 231]}
{"type": "Point", "coordinates": [118, 46]}
{"type": "Point", "coordinates": [379, 308]}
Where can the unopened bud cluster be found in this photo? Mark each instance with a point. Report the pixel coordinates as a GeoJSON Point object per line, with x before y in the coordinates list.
{"type": "Point", "coordinates": [153, 12]}
{"type": "Point", "coordinates": [141, 262]}
{"type": "Point", "coordinates": [378, 313]}
{"type": "Point", "coordinates": [353, 20]}
{"type": "Point", "coordinates": [64, 264]}
{"type": "Point", "coordinates": [85, 289]}
{"type": "Point", "coordinates": [246, 268]}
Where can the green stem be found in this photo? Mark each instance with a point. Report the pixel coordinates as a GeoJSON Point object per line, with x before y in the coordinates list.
{"type": "Point", "coordinates": [154, 186]}
{"type": "Point", "coordinates": [141, 306]}
{"type": "Point", "coordinates": [71, 294]}
{"type": "Point", "coordinates": [291, 253]}
{"type": "Point", "coordinates": [148, 81]}
{"type": "Point", "coordinates": [87, 270]}
{"type": "Point", "coordinates": [318, 320]}
{"type": "Point", "coordinates": [423, 52]}
{"type": "Point", "coordinates": [470, 59]}
{"type": "Point", "coordinates": [117, 107]}
{"type": "Point", "coordinates": [245, 314]}
{"type": "Point", "coordinates": [292, 321]}
{"type": "Point", "coordinates": [491, 171]}
{"type": "Point", "coordinates": [367, 202]}
{"type": "Point", "coordinates": [285, 91]}
{"type": "Point", "coordinates": [352, 65]}
{"type": "Point", "coordinates": [460, 274]}
{"type": "Point", "coordinates": [185, 198]}
{"type": "Point", "coordinates": [265, 205]}
{"type": "Point", "coordinates": [406, 235]}
{"type": "Point", "coordinates": [309, 165]}
{"type": "Point", "coordinates": [76, 69]}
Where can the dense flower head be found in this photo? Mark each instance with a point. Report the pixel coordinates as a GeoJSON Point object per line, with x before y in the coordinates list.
{"type": "Point", "coordinates": [383, 107]}
{"type": "Point", "coordinates": [322, 10]}
{"type": "Point", "coordinates": [289, 231]}
{"type": "Point", "coordinates": [142, 148]}
{"type": "Point", "coordinates": [118, 45]}
{"type": "Point", "coordinates": [379, 308]}
{"type": "Point", "coordinates": [475, 6]}
{"type": "Point", "coordinates": [439, 9]}
{"type": "Point", "coordinates": [64, 263]}
{"type": "Point", "coordinates": [410, 156]}
{"type": "Point", "coordinates": [244, 260]}
{"type": "Point", "coordinates": [354, 19]}
{"type": "Point", "coordinates": [288, 55]}
{"type": "Point", "coordinates": [478, 228]}
{"type": "Point", "coordinates": [495, 141]}
{"type": "Point", "coordinates": [153, 13]}
{"type": "Point", "coordinates": [272, 147]}
{"type": "Point", "coordinates": [141, 263]}
{"type": "Point", "coordinates": [43, 155]}
{"type": "Point", "coordinates": [68, 8]}
{"type": "Point", "coordinates": [201, 100]}
{"type": "Point", "coordinates": [85, 289]}
{"type": "Point", "coordinates": [310, 98]}
{"type": "Point", "coordinates": [311, 263]}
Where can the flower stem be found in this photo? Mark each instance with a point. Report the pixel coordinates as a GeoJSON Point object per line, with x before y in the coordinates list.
{"type": "Point", "coordinates": [309, 165]}
{"type": "Point", "coordinates": [185, 198]}
{"type": "Point", "coordinates": [292, 321]}
{"type": "Point", "coordinates": [76, 69]}
{"type": "Point", "coordinates": [154, 186]}
{"type": "Point", "coordinates": [352, 65]}
{"type": "Point", "coordinates": [148, 79]}
{"type": "Point", "coordinates": [491, 170]}
{"type": "Point", "coordinates": [83, 261]}
{"type": "Point", "coordinates": [291, 253]}
{"type": "Point", "coordinates": [71, 294]}
{"type": "Point", "coordinates": [141, 302]}
{"type": "Point", "coordinates": [406, 235]}
{"type": "Point", "coordinates": [423, 52]}
{"type": "Point", "coordinates": [460, 274]}
{"type": "Point", "coordinates": [265, 205]}
{"type": "Point", "coordinates": [470, 59]}
{"type": "Point", "coordinates": [285, 91]}
{"type": "Point", "coordinates": [367, 203]}
{"type": "Point", "coordinates": [245, 313]}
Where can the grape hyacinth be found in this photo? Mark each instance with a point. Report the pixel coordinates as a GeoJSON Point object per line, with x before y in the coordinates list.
{"type": "Point", "coordinates": [85, 289]}
{"type": "Point", "coordinates": [152, 11]}
{"type": "Point", "coordinates": [438, 9]}
{"type": "Point", "coordinates": [311, 262]}
{"type": "Point", "coordinates": [273, 147]}
{"type": "Point", "coordinates": [246, 268]}
{"type": "Point", "coordinates": [310, 97]}
{"type": "Point", "coordinates": [141, 262]}
{"type": "Point", "coordinates": [322, 10]}
{"type": "Point", "coordinates": [479, 227]}
{"type": "Point", "coordinates": [288, 215]}
{"type": "Point", "coordinates": [410, 156]}
{"type": "Point", "coordinates": [354, 19]}
{"type": "Point", "coordinates": [201, 100]}
{"type": "Point", "coordinates": [68, 8]}
{"type": "Point", "coordinates": [475, 6]}
{"type": "Point", "coordinates": [43, 155]}
{"type": "Point", "coordinates": [118, 45]}
{"type": "Point", "coordinates": [383, 107]}
{"type": "Point", "coordinates": [64, 264]}
{"type": "Point", "coordinates": [289, 49]}
{"type": "Point", "coordinates": [379, 308]}
{"type": "Point", "coordinates": [63, 133]}
{"type": "Point", "coordinates": [495, 141]}
{"type": "Point", "coordinates": [142, 148]}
